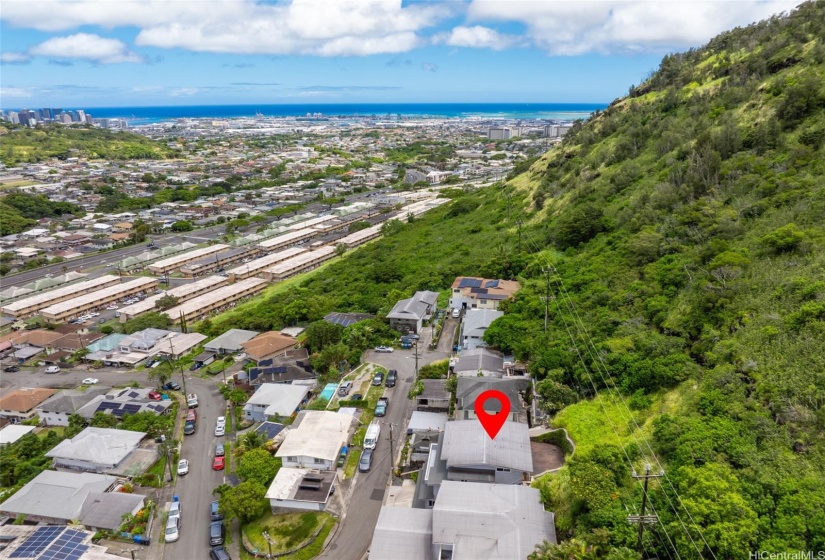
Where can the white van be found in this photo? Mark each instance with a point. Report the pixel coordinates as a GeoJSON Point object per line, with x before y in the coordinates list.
{"type": "Point", "coordinates": [371, 439]}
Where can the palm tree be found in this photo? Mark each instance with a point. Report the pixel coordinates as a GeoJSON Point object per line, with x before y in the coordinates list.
{"type": "Point", "coordinates": [252, 440]}
{"type": "Point", "coordinates": [162, 373]}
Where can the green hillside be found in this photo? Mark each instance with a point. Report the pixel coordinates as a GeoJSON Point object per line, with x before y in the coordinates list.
{"type": "Point", "coordinates": [21, 144]}
{"type": "Point", "coordinates": [679, 237]}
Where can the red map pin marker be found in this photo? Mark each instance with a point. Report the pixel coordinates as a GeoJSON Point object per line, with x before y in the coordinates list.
{"type": "Point", "coordinates": [492, 423]}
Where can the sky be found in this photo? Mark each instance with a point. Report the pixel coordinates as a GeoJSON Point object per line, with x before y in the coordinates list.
{"type": "Point", "coordinates": [111, 53]}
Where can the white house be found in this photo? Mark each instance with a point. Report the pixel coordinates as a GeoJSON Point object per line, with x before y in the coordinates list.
{"type": "Point", "coordinates": [301, 489]}
{"type": "Point", "coordinates": [275, 399]}
{"type": "Point", "coordinates": [315, 440]}
{"type": "Point", "coordinates": [96, 449]}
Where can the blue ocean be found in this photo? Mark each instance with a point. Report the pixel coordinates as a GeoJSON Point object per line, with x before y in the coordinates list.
{"type": "Point", "coordinates": [546, 111]}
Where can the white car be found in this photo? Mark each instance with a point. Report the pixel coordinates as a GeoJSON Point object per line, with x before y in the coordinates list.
{"type": "Point", "coordinates": [52, 369]}
{"type": "Point", "coordinates": [221, 420]}
{"type": "Point", "coordinates": [111, 307]}
{"type": "Point", "coordinates": [183, 467]}
{"type": "Point", "coordinates": [220, 429]}
{"type": "Point", "coordinates": [91, 381]}
{"type": "Point", "coordinates": [91, 315]}
{"type": "Point", "coordinates": [383, 349]}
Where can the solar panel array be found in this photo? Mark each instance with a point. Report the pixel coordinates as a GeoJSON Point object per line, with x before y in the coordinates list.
{"type": "Point", "coordinates": [271, 429]}
{"type": "Point", "coordinates": [264, 363]}
{"type": "Point", "coordinates": [67, 547]}
{"type": "Point", "coordinates": [491, 284]}
{"type": "Point", "coordinates": [470, 283]}
{"type": "Point", "coordinates": [37, 542]}
{"type": "Point", "coordinates": [254, 373]}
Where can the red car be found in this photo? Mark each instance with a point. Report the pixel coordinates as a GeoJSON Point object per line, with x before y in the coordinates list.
{"type": "Point", "coordinates": [218, 464]}
{"type": "Point", "coordinates": [154, 395]}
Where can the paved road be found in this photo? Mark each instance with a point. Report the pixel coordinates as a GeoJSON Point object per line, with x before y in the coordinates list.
{"type": "Point", "coordinates": [195, 489]}
{"type": "Point", "coordinates": [353, 537]}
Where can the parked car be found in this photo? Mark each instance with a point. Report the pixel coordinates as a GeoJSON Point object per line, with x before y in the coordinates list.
{"type": "Point", "coordinates": [357, 397]}
{"type": "Point", "coordinates": [183, 467]}
{"type": "Point", "coordinates": [365, 462]}
{"type": "Point", "coordinates": [219, 553]}
{"type": "Point", "coordinates": [91, 381]}
{"type": "Point", "coordinates": [154, 395]}
{"type": "Point", "coordinates": [378, 379]}
{"type": "Point", "coordinates": [192, 400]}
{"type": "Point", "coordinates": [381, 406]}
{"type": "Point", "coordinates": [219, 451]}
{"type": "Point", "coordinates": [171, 386]}
{"type": "Point", "coordinates": [215, 512]}
{"type": "Point", "coordinates": [383, 349]}
{"type": "Point", "coordinates": [456, 313]}
{"type": "Point", "coordinates": [345, 388]}
{"type": "Point", "coordinates": [52, 369]}
{"type": "Point", "coordinates": [220, 430]}
{"type": "Point", "coordinates": [216, 533]}
{"type": "Point", "coordinates": [11, 369]}
{"type": "Point", "coordinates": [221, 420]}
{"type": "Point", "coordinates": [172, 532]}
{"type": "Point", "coordinates": [195, 366]}
{"type": "Point", "coordinates": [392, 377]}
{"type": "Point", "coordinates": [189, 428]}
{"type": "Point", "coordinates": [218, 464]}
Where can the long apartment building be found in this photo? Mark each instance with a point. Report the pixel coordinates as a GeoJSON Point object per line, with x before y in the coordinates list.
{"type": "Point", "coordinates": [301, 263]}
{"type": "Point", "coordinates": [313, 222]}
{"type": "Point", "coordinates": [173, 263]}
{"type": "Point", "coordinates": [216, 300]}
{"type": "Point", "coordinates": [287, 239]}
{"type": "Point", "coordinates": [360, 237]}
{"type": "Point", "coordinates": [257, 266]}
{"type": "Point", "coordinates": [183, 293]}
{"type": "Point", "coordinates": [31, 305]}
{"type": "Point", "coordinates": [218, 260]}
{"type": "Point", "coordinates": [74, 307]}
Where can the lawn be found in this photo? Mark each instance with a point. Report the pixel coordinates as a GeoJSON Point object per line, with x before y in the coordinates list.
{"type": "Point", "coordinates": [352, 461]}
{"type": "Point", "coordinates": [290, 531]}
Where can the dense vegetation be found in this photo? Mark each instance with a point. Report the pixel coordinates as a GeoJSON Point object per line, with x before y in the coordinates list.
{"type": "Point", "coordinates": [19, 211]}
{"type": "Point", "coordinates": [22, 144]}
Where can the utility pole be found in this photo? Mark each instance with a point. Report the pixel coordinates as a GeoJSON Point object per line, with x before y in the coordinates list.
{"type": "Point", "coordinates": [172, 366]}
{"type": "Point", "coordinates": [547, 297]}
{"type": "Point", "coordinates": [519, 222]}
{"type": "Point", "coordinates": [415, 353]}
{"type": "Point", "coordinates": [268, 542]}
{"type": "Point", "coordinates": [392, 451]}
{"type": "Point", "coordinates": [643, 519]}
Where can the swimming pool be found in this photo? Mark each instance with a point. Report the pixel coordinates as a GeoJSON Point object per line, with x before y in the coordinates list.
{"type": "Point", "coordinates": [329, 391]}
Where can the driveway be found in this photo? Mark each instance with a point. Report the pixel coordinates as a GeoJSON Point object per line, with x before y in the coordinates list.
{"type": "Point", "coordinates": [354, 534]}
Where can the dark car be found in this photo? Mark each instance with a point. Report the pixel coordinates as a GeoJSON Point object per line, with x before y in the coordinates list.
{"type": "Point", "coordinates": [215, 512]}
{"type": "Point", "coordinates": [378, 379]}
{"type": "Point", "coordinates": [219, 452]}
{"type": "Point", "coordinates": [219, 553]}
{"type": "Point", "coordinates": [216, 533]}
{"type": "Point", "coordinates": [365, 462]}
{"type": "Point", "coordinates": [195, 366]}
{"type": "Point", "coordinates": [172, 386]}
{"type": "Point", "coordinates": [11, 369]}
{"type": "Point", "coordinates": [392, 377]}
{"type": "Point", "coordinates": [357, 397]}
{"type": "Point", "coordinates": [189, 428]}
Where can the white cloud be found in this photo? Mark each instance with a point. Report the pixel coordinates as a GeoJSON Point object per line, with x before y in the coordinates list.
{"type": "Point", "coordinates": [476, 37]}
{"type": "Point", "coordinates": [429, 67]}
{"type": "Point", "coordinates": [14, 58]}
{"type": "Point", "coordinates": [184, 92]}
{"type": "Point", "coordinates": [15, 92]}
{"type": "Point", "coordinates": [570, 28]}
{"type": "Point", "coordinates": [86, 46]}
{"type": "Point", "coordinates": [316, 27]}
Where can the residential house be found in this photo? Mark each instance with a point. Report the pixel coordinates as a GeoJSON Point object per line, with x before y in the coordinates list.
{"type": "Point", "coordinates": [268, 345]}
{"type": "Point", "coordinates": [475, 323]}
{"type": "Point", "coordinates": [21, 405]}
{"type": "Point", "coordinates": [478, 362]}
{"type": "Point", "coordinates": [469, 388]}
{"type": "Point", "coordinates": [469, 292]}
{"type": "Point", "coordinates": [315, 440]}
{"type": "Point", "coordinates": [275, 399]}
{"type": "Point", "coordinates": [104, 511]}
{"type": "Point", "coordinates": [301, 489]}
{"type": "Point", "coordinates": [55, 411]}
{"type": "Point", "coordinates": [119, 402]}
{"type": "Point", "coordinates": [292, 366]}
{"type": "Point", "coordinates": [56, 497]}
{"type": "Point", "coordinates": [96, 450]}
{"type": "Point", "coordinates": [435, 397]}
{"type": "Point", "coordinates": [10, 433]}
{"type": "Point", "coordinates": [408, 315]}
{"type": "Point", "coordinates": [468, 522]}
{"type": "Point", "coordinates": [230, 341]}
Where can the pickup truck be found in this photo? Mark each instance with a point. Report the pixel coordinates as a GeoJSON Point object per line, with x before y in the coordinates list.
{"type": "Point", "coordinates": [192, 400]}
{"type": "Point", "coordinates": [381, 406]}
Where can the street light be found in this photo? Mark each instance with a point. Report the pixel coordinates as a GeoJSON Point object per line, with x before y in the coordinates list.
{"type": "Point", "coordinates": [268, 542]}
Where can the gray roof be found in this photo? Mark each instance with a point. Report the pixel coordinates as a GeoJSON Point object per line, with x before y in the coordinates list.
{"type": "Point", "coordinates": [467, 444]}
{"type": "Point", "coordinates": [427, 421]}
{"type": "Point", "coordinates": [55, 494]}
{"type": "Point", "coordinates": [230, 341]}
{"type": "Point", "coordinates": [476, 321]}
{"type": "Point", "coordinates": [480, 359]}
{"type": "Point", "coordinates": [101, 446]}
{"type": "Point", "coordinates": [469, 388]}
{"type": "Point", "coordinates": [409, 308]}
{"type": "Point", "coordinates": [435, 389]}
{"type": "Point", "coordinates": [490, 521]}
{"type": "Point", "coordinates": [403, 534]}
{"type": "Point", "coordinates": [279, 398]}
{"type": "Point", "coordinates": [430, 298]}
{"type": "Point", "coordinates": [70, 401]}
{"type": "Point", "coordinates": [145, 339]}
{"type": "Point", "coordinates": [105, 510]}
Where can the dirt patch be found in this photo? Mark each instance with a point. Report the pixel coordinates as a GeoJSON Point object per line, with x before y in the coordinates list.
{"type": "Point", "coordinates": [546, 456]}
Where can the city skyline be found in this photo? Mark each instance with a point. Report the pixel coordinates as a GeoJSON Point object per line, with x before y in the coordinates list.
{"type": "Point", "coordinates": [85, 53]}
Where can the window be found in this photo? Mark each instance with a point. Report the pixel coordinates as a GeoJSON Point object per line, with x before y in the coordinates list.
{"type": "Point", "coordinates": [499, 469]}
{"type": "Point", "coordinates": [292, 459]}
{"type": "Point", "coordinates": [483, 302]}
{"type": "Point", "coordinates": [319, 461]}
